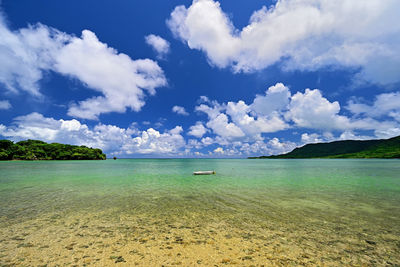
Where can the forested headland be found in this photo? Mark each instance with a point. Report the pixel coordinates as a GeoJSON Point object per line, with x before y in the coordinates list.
{"type": "Point", "coordinates": [382, 148]}
{"type": "Point", "coordinates": [39, 150]}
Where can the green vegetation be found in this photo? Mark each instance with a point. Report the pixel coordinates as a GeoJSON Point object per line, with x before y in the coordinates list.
{"type": "Point", "coordinates": [384, 148]}
{"type": "Point", "coordinates": [39, 150]}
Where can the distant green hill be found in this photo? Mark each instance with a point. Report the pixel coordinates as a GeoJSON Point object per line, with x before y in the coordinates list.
{"type": "Point", "coordinates": [383, 148]}
{"type": "Point", "coordinates": [39, 150]}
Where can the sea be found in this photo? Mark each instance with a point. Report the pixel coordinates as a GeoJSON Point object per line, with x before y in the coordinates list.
{"type": "Point", "coordinates": [155, 212]}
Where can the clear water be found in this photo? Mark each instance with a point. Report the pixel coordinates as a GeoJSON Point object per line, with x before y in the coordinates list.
{"type": "Point", "coordinates": [154, 212]}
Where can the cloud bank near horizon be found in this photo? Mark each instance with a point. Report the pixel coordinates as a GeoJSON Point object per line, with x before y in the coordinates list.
{"type": "Point", "coordinates": [232, 129]}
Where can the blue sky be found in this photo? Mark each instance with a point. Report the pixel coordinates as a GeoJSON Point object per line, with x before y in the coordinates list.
{"type": "Point", "coordinates": [199, 79]}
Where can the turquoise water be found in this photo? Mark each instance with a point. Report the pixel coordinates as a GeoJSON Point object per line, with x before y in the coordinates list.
{"type": "Point", "coordinates": [340, 207]}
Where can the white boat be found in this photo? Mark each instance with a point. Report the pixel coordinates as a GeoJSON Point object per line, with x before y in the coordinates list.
{"type": "Point", "coordinates": [203, 172]}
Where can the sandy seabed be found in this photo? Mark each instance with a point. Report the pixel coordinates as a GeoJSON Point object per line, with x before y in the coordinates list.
{"type": "Point", "coordinates": [110, 238]}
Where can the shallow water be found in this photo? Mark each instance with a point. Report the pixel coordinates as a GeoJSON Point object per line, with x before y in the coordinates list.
{"type": "Point", "coordinates": [154, 212]}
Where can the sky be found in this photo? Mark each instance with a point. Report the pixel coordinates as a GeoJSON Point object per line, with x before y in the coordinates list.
{"type": "Point", "coordinates": [207, 78]}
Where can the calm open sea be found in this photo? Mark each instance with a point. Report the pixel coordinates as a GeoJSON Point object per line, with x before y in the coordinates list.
{"type": "Point", "coordinates": [154, 212]}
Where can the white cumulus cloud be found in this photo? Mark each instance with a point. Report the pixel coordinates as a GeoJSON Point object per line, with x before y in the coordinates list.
{"type": "Point", "coordinates": [276, 98]}
{"type": "Point", "coordinates": [240, 114]}
{"type": "Point", "coordinates": [219, 150]}
{"type": "Point", "coordinates": [384, 105]}
{"type": "Point", "coordinates": [245, 128]}
{"type": "Point", "coordinates": [197, 130]}
{"type": "Point", "coordinates": [272, 146]}
{"type": "Point", "coordinates": [119, 79]}
{"type": "Point", "coordinates": [180, 110]}
{"type": "Point", "coordinates": [311, 110]}
{"type": "Point", "coordinates": [25, 54]}
{"type": "Point", "coordinates": [304, 34]}
{"type": "Point", "coordinates": [5, 104]}
{"type": "Point", "coordinates": [222, 127]}
{"type": "Point", "coordinates": [154, 142]}
{"type": "Point", "coordinates": [311, 138]}
{"type": "Point", "coordinates": [121, 82]}
{"type": "Point", "coordinates": [159, 45]}
{"type": "Point", "coordinates": [239, 121]}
